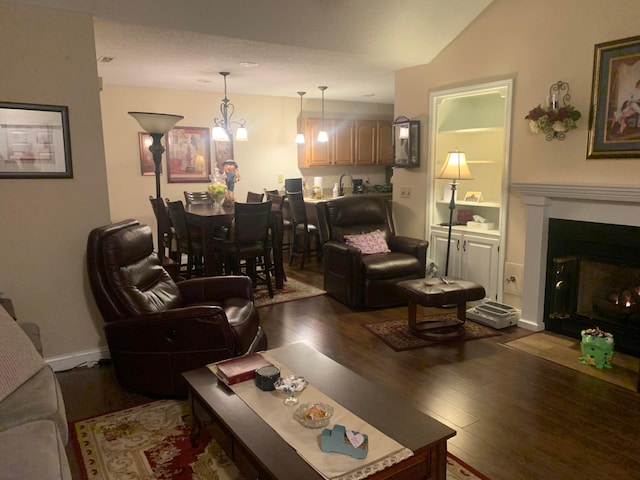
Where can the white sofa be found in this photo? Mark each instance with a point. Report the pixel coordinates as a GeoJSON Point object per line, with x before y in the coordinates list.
{"type": "Point", "coordinates": [33, 423]}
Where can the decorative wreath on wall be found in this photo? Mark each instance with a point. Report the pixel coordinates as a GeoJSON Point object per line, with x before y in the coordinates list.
{"type": "Point", "coordinates": [554, 120]}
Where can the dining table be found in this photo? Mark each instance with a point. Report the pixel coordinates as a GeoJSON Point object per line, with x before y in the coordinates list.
{"type": "Point", "coordinates": [210, 217]}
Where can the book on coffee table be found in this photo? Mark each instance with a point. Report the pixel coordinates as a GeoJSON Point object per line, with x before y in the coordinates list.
{"type": "Point", "coordinates": [239, 369]}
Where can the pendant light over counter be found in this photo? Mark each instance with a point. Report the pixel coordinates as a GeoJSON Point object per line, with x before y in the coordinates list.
{"type": "Point", "coordinates": [300, 135]}
{"type": "Point", "coordinates": [322, 136]}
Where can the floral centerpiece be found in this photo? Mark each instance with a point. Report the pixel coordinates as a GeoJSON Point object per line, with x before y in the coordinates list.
{"type": "Point", "coordinates": [553, 121]}
{"type": "Point", "coordinates": [217, 191]}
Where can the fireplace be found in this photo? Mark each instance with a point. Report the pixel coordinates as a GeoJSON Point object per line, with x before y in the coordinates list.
{"type": "Point", "coordinates": [617, 205]}
{"type": "Point", "coordinates": [593, 280]}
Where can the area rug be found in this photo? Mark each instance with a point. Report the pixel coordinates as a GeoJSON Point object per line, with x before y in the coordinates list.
{"type": "Point", "coordinates": [151, 442]}
{"type": "Point", "coordinates": [565, 351]}
{"type": "Point", "coordinates": [293, 290]}
{"type": "Point", "coordinates": [396, 333]}
{"type": "Point", "coordinates": [148, 442]}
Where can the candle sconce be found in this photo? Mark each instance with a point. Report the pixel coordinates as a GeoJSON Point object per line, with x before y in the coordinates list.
{"type": "Point", "coordinates": [554, 120]}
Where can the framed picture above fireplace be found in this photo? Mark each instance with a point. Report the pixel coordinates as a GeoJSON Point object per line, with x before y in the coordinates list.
{"type": "Point", "coordinates": [614, 117]}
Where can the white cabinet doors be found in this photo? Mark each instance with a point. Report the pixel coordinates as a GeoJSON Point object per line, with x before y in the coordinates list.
{"type": "Point", "coordinates": [480, 262]}
{"type": "Point", "coordinates": [473, 256]}
{"type": "Point", "coordinates": [437, 252]}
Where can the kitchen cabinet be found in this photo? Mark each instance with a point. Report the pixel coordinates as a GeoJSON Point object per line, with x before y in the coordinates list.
{"type": "Point", "coordinates": [373, 142]}
{"type": "Point", "coordinates": [385, 143]}
{"type": "Point", "coordinates": [473, 256]}
{"type": "Point", "coordinates": [339, 150]}
{"type": "Point", "coordinates": [351, 142]}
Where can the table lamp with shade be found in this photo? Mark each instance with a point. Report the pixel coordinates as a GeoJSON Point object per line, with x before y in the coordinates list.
{"type": "Point", "coordinates": [455, 168]}
{"type": "Point", "coordinates": [156, 125]}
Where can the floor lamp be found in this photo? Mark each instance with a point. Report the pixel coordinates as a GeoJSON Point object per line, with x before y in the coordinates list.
{"type": "Point", "coordinates": [156, 125]}
{"type": "Point", "coordinates": [455, 168]}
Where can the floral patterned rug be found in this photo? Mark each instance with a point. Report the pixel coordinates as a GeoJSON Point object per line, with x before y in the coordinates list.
{"type": "Point", "coordinates": [148, 442]}
{"type": "Point", "coordinates": [396, 333]}
{"type": "Point", "coordinates": [151, 442]}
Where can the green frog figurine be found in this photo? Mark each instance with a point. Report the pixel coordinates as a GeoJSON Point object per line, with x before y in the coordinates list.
{"type": "Point", "coordinates": [597, 348]}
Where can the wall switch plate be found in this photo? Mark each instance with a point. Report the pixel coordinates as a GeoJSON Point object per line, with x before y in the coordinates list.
{"type": "Point", "coordinates": [280, 178]}
{"type": "Point", "coordinates": [405, 192]}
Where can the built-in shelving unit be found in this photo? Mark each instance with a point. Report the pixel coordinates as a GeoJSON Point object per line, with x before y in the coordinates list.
{"type": "Point", "coordinates": [474, 120]}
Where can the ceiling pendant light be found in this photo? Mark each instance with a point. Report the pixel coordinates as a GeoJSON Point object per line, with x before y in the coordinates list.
{"type": "Point", "coordinates": [221, 131]}
{"type": "Point", "coordinates": [322, 136]}
{"type": "Point", "coordinates": [300, 135]}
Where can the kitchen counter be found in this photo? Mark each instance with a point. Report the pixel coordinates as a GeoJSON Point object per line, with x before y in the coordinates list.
{"type": "Point", "coordinates": [328, 197]}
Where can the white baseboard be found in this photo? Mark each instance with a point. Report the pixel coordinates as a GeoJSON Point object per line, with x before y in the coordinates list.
{"type": "Point", "coordinates": [530, 325]}
{"type": "Point", "coordinates": [86, 358]}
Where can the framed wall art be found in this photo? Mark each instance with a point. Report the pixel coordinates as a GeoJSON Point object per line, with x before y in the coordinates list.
{"type": "Point", "coordinates": [188, 155]}
{"type": "Point", "coordinates": [614, 117]}
{"type": "Point", "coordinates": [34, 141]}
{"type": "Point", "coordinates": [224, 151]}
{"type": "Point", "coordinates": [147, 167]}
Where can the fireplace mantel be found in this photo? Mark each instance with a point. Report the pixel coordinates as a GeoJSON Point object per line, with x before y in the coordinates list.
{"type": "Point", "coordinates": [614, 204]}
{"type": "Point", "coordinates": [606, 193]}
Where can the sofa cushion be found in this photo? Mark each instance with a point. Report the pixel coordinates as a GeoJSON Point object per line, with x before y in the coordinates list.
{"type": "Point", "coordinates": [390, 265]}
{"type": "Point", "coordinates": [19, 359]}
{"type": "Point", "coordinates": [368, 243]}
{"type": "Point", "coordinates": [39, 398]}
{"type": "Point", "coordinates": [33, 450]}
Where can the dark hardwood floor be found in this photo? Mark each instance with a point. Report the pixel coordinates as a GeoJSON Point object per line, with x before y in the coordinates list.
{"type": "Point", "coordinates": [516, 416]}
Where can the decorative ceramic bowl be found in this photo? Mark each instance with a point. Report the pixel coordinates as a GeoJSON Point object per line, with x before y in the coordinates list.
{"type": "Point", "coordinates": [314, 414]}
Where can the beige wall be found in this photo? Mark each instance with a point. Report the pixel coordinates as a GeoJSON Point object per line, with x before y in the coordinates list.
{"type": "Point", "coordinates": [537, 44]}
{"type": "Point", "coordinates": [270, 151]}
{"type": "Point", "coordinates": [51, 60]}
{"type": "Point", "coordinates": [48, 57]}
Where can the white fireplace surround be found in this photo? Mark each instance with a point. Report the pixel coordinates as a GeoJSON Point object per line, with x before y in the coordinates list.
{"type": "Point", "coordinates": [614, 204]}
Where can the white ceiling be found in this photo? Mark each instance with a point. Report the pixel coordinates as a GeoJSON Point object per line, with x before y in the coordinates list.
{"type": "Point", "coordinates": [351, 46]}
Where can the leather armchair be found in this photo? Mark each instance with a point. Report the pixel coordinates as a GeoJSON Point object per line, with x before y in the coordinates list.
{"type": "Point", "coordinates": [360, 280]}
{"type": "Point", "coordinates": [156, 328]}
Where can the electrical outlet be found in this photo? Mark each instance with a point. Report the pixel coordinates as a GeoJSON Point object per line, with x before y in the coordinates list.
{"type": "Point", "coordinates": [280, 178]}
{"type": "Point", "coordinates": [405, 192]}
{"type": "Point", "coordinates": [513, 273]}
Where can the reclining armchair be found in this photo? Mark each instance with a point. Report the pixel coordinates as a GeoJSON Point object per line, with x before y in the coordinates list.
{"type": "Point", "coordinates": [348, 226]}
{"type": "Point", "coordinates": [156, 328]}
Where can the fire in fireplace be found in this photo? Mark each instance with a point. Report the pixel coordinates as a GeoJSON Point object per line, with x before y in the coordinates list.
{"type": "Point", "coordinates": [593, 280]}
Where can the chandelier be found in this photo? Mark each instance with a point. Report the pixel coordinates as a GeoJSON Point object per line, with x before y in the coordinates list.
{"type": "Point", "coordinates": [221, 131]}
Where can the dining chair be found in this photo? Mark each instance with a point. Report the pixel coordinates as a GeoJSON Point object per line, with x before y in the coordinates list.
{"type": "Point", "coordinates": [303, 231]}
{"type": "Point", "coordinates": [253, 197]}
{"type": "Point", "coordinates": [249, 242]}
{"type": "Point", "coordinates": [165, 226]}
{"type": "Point", "coordinates": [194, 198]}
{"type": "Point", "coordinates": [189, 241]}
{"type": "Point", "coordinates": [278, 203]}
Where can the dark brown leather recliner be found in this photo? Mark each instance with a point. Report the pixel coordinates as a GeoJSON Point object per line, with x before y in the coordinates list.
{"type": "Point", "coordinates": [156, 328]}
{"type": "Point", "coordinates": [360, 280]}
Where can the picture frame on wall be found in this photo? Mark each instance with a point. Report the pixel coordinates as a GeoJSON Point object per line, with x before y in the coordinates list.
{"type": "Point", "coordinates": [147, 166]}
{"type": "Point", "coordinates": [224, 151]}
{"type": "Point", "coordinates": [34, 141]}
{"type": "Point", "coordinates": [188, 155]}
{"type": "Point", "coordinates": [614, 117]}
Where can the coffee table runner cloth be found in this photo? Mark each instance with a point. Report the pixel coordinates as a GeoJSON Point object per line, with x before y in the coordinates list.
{"type": "Point", "coordinates": [383, 451]}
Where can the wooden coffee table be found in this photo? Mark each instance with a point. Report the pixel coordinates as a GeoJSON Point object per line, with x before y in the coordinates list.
{"type": "Point", "coordinates": [258, 450]}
